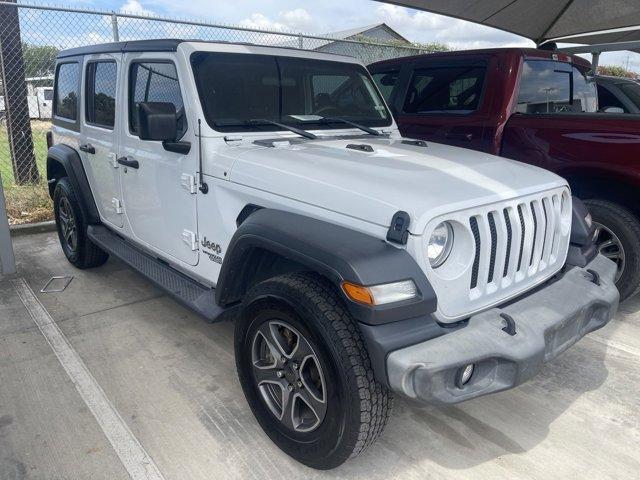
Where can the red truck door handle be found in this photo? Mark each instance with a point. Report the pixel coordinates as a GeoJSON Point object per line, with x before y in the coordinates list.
{"type": "Point", "coordinates": [466, 137]}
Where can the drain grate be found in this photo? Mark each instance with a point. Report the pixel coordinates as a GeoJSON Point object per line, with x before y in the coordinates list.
{"type": "Point", "coordinates": [56, 284]}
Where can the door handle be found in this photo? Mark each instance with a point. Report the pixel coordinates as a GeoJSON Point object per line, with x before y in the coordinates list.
{"type": "Point", "coordinates": [466, 137]}
{"type": "Point", "coordinates": [87, 147]}
{"type": "Point", "coordinates": [128, 163]}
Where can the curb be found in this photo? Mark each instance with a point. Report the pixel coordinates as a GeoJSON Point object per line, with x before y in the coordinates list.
{"type": "Point", "coordinates": [32, 228]}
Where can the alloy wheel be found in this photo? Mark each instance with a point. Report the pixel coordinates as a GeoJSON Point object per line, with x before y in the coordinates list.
{"type": "Point", "coordinates": [68, 225]}
{"type": "Point", "coordinates": [610, 246]}
{"type": "Point", "coordinates": [288, 375]}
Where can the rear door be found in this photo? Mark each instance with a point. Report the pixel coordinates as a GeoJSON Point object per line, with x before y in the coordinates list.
{"type": "Point", "coordinates": [159, 196]}
{"type": "Point", "coordinates": [99, 145]}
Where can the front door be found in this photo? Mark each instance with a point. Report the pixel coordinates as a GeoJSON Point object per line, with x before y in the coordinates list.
{"type": "Point", "coordinates": [159, 195]}
{"type": "Point", "coordinates": [100, 132]}
{"type": "Point", "coordinates": [443, 103]}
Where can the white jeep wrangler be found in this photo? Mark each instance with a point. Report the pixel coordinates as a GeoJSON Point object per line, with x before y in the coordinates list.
{"type": "Point", "coordinates": [272, 184]}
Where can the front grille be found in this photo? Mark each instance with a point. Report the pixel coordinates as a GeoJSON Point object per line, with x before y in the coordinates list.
{"type": "Point", "coordinates": [509, 246]}
{"type": "Point", "coordinates": [535, 240]}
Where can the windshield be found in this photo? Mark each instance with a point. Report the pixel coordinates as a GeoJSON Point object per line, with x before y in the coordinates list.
{"type": "Point", "coordinates": [239, 90]}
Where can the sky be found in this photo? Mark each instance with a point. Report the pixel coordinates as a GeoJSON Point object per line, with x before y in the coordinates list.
{"type": "Point", "coordinates": [325, 16]}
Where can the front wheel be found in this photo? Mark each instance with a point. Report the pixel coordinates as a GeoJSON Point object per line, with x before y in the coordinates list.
{"type": "Point", "coordinates": [618, 238]}
{"type": "Point", "coordinates": [306, 373]}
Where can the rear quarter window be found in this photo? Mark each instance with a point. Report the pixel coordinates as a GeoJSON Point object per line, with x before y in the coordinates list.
{"type": "Point", "coordinates": [66, 91]}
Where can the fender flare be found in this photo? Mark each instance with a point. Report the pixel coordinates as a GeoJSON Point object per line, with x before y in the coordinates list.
{"type": "Point", "coordinates": [63, 156]}
{"type": "Point", "coordinates": [336, 252]}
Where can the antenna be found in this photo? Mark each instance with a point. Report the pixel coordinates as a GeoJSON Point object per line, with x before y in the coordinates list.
{"type": "Point", "coordinates": [203, 187]}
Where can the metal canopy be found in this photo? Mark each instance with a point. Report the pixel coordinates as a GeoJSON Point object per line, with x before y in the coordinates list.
{"type": "Point", "coordinates": [607, 41]}
{"type": "Point", "coordinates": [538, 20]}
{"type": "Point", "coordinates": [633, 46]}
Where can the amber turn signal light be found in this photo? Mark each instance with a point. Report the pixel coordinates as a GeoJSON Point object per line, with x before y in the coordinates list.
{"type": "Point", "coordinates": [358, 293]}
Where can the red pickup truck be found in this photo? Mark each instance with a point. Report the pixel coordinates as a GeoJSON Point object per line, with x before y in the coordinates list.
{"type": "Point", "coordinates": [538, 107]}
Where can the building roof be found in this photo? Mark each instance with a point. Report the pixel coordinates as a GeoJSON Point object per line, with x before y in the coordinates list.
{"type": "Point", "coordinates": [352, 32]}
{"type": "Point", "coordinates": [344, 35]}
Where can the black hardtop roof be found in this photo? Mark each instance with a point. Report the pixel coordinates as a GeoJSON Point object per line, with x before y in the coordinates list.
{"type": "Point", "coordinates": [158, 45]}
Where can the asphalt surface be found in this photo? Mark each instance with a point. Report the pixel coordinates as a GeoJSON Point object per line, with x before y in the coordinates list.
{"type": "Point", "coordinates": [139, 368]}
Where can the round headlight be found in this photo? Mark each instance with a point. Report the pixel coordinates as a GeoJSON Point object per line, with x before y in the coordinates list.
{"type": "Point", "coordinates": [440, 243]}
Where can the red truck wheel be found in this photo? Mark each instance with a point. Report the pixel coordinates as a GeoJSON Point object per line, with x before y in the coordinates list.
{"type": "Point", "coordinates": [618, 238]}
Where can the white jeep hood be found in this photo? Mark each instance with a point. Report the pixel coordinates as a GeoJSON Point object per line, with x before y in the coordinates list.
{"type": "Point", "coordinates": [372, 186]}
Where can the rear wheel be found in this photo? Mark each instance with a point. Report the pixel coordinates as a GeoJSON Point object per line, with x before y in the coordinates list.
{"type": "Point", "coordinates": [306, 373]}
{"type": "Point", "coordinates": [618, 238]}
{"type": "Point", "coordinates": [72, 229]}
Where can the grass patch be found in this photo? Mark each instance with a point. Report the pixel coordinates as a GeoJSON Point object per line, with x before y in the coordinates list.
{"type": "Point", "coordinates": [27, 203]}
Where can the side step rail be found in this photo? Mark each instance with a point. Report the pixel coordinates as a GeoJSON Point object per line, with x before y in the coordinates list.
{"type": "Point", "coordinates": [187, 291]}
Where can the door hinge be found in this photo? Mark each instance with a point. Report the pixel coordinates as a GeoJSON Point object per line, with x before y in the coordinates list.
{"type": "Point", "coordinates": [188, 182]}
{"type": "Point", "coordinates": [113, 160]}
{"type": "Point", "coordinates": [190, 239]}
{"type": "Point", "coordinates": [117, 205]}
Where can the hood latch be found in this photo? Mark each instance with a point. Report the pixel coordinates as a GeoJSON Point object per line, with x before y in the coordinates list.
{"type": "Point", "coordinates": [399, 229]}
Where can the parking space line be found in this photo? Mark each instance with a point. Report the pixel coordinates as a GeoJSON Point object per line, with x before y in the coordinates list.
{"type": "Point", "coordinates": [131, 453]}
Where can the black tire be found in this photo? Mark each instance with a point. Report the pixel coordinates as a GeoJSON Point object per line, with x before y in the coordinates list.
{"type": "Point", "coordinates": [79, 250]}
{"type": "Point", "coordinates": [357, 406]}
{"type": "Point", "coordinates": [626, 227]}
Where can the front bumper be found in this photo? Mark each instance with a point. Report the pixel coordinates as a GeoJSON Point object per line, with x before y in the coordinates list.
{"type": "Point", "coordinates": [547, 322]}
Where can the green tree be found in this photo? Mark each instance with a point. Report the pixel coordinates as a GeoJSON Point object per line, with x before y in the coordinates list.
{"type": "Point", "coordinates": [39, 60]}
{"type": "Point", "coordinates": [616, 71]}
{"type": "Point", "coordinates": [373, 49]}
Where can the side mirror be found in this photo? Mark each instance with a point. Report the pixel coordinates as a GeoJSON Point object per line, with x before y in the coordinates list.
{"type": "Point", "coordinates": [389, 80]}
{"type": "Point", "coordinates": [157, 121]}
{"type": "Point", "coordinates": [612, 110]}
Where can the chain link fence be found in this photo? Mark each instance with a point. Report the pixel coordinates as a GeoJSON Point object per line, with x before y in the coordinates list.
{"type": "Point", "coordinates": [32, 35]}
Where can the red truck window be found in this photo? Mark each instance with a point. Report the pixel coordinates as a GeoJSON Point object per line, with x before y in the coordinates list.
{"type": "Point", "coordinates": [445, 90]}
{"type": "Point", "coordinates": [385, 81]}
{"type": "Point", "coordinates": [555, 87]}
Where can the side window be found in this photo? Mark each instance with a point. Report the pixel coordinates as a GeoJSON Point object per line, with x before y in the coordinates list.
{"type": "Point", "coordinates": [607, 99]}
{"type": "Point", "coordinates": [585, 93]}
{"type": "Point", "coordinates": [545, 87]}
{"type": "Point", "coordinates": [66, 92]}
{"type": "Point", "coordinates": [386, 81]}
{"type": "Point", "coordinates": [155, 82]}
{"type": "Point", "coordinates": [445, 90]}
{"type": "Point", "coordinates": [100, 93]}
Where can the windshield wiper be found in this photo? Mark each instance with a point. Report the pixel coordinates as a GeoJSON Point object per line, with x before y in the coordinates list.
{"type": "Point", "coordinates": [364, 128]}
{"type": "Point", "coordinates": [299, 131]}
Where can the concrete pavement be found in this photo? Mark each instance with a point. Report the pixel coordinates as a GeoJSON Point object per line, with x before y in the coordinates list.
{"type": "Point", "coordinates": [171, 378]}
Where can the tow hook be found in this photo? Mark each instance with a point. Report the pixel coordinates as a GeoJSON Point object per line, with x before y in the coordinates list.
{"type": "Point", "coordinates": [510, 328]}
